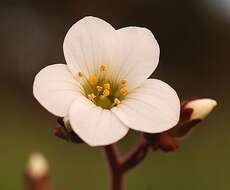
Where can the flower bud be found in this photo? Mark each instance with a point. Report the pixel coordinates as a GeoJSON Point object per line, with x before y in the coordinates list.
{"type": "Point", "coordinates": [201, 108]}
{"type": "Point", "coordinates": [37, 173]}
{"type": "Point", "coordinates": [192, 112]}
{"type": "Point", "coordinates": [38, 165]}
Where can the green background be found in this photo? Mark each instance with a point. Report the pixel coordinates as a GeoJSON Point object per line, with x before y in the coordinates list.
{"type": "Point", "coordinates": [194, 40]}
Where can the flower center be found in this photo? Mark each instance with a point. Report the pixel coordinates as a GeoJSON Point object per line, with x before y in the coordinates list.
{"type": "Point", "coordinates": [101, 89]}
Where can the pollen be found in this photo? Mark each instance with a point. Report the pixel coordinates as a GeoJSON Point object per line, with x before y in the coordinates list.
{"type": "Point", "coordinates": [123, 83]}
{"type": "Point", "coordinates": [99, 88]}
{"type": "Point", "coordinates": [116, 101]}
{"type": "Point", "coordinates": [91, 97]}
{"type": "Point", "coordinates": [107, 86]}
{"type": "Point", "coordinates": [123, 91]}
{"type": "Point", "coordinates": [106, 92]}
{"type": "Point", "coordinates": [93, 79]}
{"type": "Point", "coordinates": [103, 67]}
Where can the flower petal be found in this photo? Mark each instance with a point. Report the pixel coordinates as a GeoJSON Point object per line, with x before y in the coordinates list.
{"type": "Point", "coordinates": [131, 53]}
{"type": "Point", "coordinates": [153, 107]}
{"type": "Point", "coordinates": [86, 43]}
{"type": "Point", "coordinates": [55, 89]}
{"type": "Point", "coordinates": [141, 55]}
{"type": "Point", "coordinates": [96, 126]}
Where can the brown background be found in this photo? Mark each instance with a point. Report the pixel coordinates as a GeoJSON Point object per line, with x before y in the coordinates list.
{"type": "Point", "coordinates": [194, 40]}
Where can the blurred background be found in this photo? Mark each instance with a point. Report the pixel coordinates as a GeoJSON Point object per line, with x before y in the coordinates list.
{"type": "Point", "coordinates": [194, 37]}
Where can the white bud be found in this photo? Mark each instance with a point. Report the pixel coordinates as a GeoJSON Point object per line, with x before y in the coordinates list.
{"type": "Point", "coordinates": [38, 165]}
{"type": "Point", "coordinates": [201, 107]}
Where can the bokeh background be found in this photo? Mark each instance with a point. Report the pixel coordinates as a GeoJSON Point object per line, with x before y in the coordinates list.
{"type": "Point", "coordinates": [194, 37]}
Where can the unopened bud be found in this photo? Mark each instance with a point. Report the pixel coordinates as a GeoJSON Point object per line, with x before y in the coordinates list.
{"type": "Point", "coordinates": [38, 166]}
{"type": "Point", "coordinates": [192, 113]}
{"type": "Point", "coordinates": [201, 108]}
{"type": "Point", "coordinates": [37, 173]}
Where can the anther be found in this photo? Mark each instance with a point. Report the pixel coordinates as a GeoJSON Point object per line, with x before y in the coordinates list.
{"type": "Point", "coordinates": [93, 79]}
{"type": "Point", "coordinates": [107, 86]}
{"type": "Point", "coordinates": [99, 88]}
{"type": "Point", "coordinates": [116, 101]}
{"type": "Point", "coordinates": [106, 92]}
{"type": "Point", "coordinates": [91, 96]}
{"type": "Point", "coordinates": [123, 83]}
{"type": "Point", "coordinates": [123, 91]}
{"type": "Point", "coordinates": [103, 68]}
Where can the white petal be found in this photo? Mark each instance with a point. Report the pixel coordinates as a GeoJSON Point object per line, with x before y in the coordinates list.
{"type": "Point", "coordinates": [96, 126]}
{"type": "Point", "coordinates": [131, 53]}
{"type": "Point", "coordinates": [153, 107]}
{"type": "Point", "coordinates": [141, 55]}
{"type": "Point", "coordinates": [86, 43]}
{"type": "Point", "coordinates": [55, 88]}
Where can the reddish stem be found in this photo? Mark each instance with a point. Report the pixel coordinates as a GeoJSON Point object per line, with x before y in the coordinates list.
{"type": "Point", "coordinates": [36, 183]}
{"type": "Point", "coordinates": [118, 166]}
{"type": "Point", "coordinates": [115, 170]}
{"type": "Point", "coordinates": [135, 155]}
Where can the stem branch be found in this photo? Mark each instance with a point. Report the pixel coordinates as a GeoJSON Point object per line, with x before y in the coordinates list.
{"type": "Point", "coordinates": [115, 170]}
{"type": "Point", "coordinates": [118, 165]}
{"type": "Point", "coordinates": [135, 155]}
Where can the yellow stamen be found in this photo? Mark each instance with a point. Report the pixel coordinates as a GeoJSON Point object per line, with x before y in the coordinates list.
{"type": "Point", "coordinates": [116, 101]}
{"type": "Point", "coordinates": [91, 96]}
{"type": "Point", "coordinates": [123, 91]}
{"type": "Point", "coordinates": [99, 88]}
{"type": "Point", "coordinates": [123, 83]}
{"type": "Point", "coordinates": [106, 92]}
{"type": "Point", "coordinates": [93, 79]}
{"type": "Point", "coordinates": [107, 86]}
{"type": "Point", "coordinates": [103, 68]}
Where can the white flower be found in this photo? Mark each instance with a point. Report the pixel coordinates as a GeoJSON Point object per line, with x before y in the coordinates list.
{"type": "Point", "coordinates": [104, 89]}
{"type": "Point", "coordinates": [201, 108]}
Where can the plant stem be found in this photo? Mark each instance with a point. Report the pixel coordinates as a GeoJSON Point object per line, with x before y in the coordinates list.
{"type": "Point", "coordinates": [135, 155]}
{"type": "Point", "coordinates": [115, 170]}
{"type": "Point", "coordinates": [118, 165]}
{"type": "Point", "coordinates": [36, 182]}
